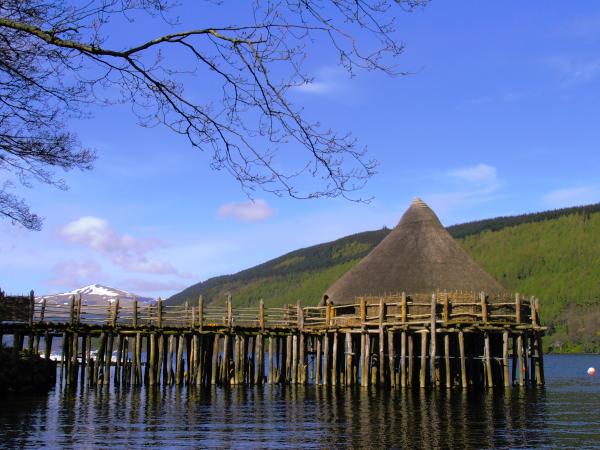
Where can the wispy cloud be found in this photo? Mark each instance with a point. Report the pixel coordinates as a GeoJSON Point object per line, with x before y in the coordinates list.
{"type": "Point", "coordinates": [73, 274]}
{"type": "Point", "coordinates": [328, 80]}
{"type": "Point", "coordinates": [124, 250]}
{"type": "Point", "coordinates": [471, 186]}
{"type": "Point", "coordinates": [250, 211]}
{"type": "Point", "coordinates": [572, 196]}
{"type": "Point", "coordinates": [574, 71]}
{"type": "Point", "coordinates": [480, 173]}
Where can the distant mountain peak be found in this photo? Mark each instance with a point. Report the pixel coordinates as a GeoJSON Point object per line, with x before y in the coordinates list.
{"type": "Point", "coordinates": [95, 294]}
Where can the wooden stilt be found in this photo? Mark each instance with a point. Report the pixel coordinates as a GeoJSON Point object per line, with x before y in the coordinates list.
{"type": "Point", "coordinates": [334, 360]}
{"type": "Point", "coordinates": [488, 360]}
{"type": "Point", "coordinates": [521, 368]}
{"type": "Point", "coordinates": [403, 359]}
{"type": "Point", "coordinates": [411, 360]}
{"type": "Point", "coordinates": [505, 372]}
{"type": "Point", "coordinates": [423, 370]}
{"type": "Point", "coordinates": [288, 359]}
{"type": "Point", "coordinates": [391, 358]}
{"type": "Point", "coordinates": [170, 374]}
{"type": "Point", "coordinates": [271, 359]}
{"type": "Point", "coordinates": [215, 356]}
{"type": "Point", "coordinates": [108, 358]}
{"type": "Point", "coordinates": [326, 359]}
{"type": "Point", "coordinates": [447, 367]}
{"type": "Point", "coordinates": [179, 361]}
{"type": "Point", "coordinates": [539, 367]}
{"type": "Point", "coordinates": [364, 373]}
{"type": "Point", "coordinates": [463, 362]}
{"type": "Point", "coordinates": [349, 359]}
{"type": "Point", "coordinates": [302, 366]}
{"type": "Point", "coordinates": [318, 357]}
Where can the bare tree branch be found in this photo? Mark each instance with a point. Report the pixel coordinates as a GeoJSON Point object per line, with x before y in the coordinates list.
{"type": "Point", "coordinates": [44, 43]}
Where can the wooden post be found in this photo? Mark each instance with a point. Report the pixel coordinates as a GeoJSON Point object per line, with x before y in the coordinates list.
{"type": "Point", "coordinates": [422, 373]}
{"type": "Point", "coordinates": [367, 359]}
{"type": "Point", "coordinates": [521, 368]}
{"type": "Point", "coordinates": [135, 313]}
{"type": "Point", "coordinates": [225, 373]}
{"type": "Point", "coordinates": [302, 366]}
{"type": "Point", "coordinates": [484, 311]}
{"type": "Point", "coordinates": [363, 313]}
{"type": "Point", "coordinates": [391, 358]}
{"type": "Point", "coordinates": [98, 375]}
{"type": "Point", "coordinates": [463, 363]}
{"type": "Point", "coordinates": [435, 376]}
{"type": "Point", "coordinates": [115, 314]}
{"type": "Point", "coordinates": [334, 360]}
{"type": "Point", "coordinates": [229, 312]}
{"type": "Point", "coordinates": [179, 362]}
{"type": "Point", "coordinates": [294, 359]}
{"type": "Point", "coordinates": [259, 356]}
{"type": "Point", "coordinates": [403, 359]}
{"type": "Point", "coordinates": [138, 358]}
{"type": "Point", "coordinates": [288, 359]}
{"type": "Point", "coordinates": [326, 359]}
{"type": "Point", "coordinates": [518, 308]}
{"type": "Point", "coordinates": [261, 315]}
{"type": "Point", "coordinates": [159, 313]}
{"type": "Point", "coordinates": [403, 308]}
{"type": "Point", "coordinates": [318, 357]}
{"type": "Point", "coordinates": [381, 342]}
{"type": "Point", "coordinates": [539, 367]}
{"type": "Point", "coordinates": [488, 360]}
{"type": "Point", "coordinates": [271, 376]}
{"type": "Point", "coordinates": [448, 367]}
{"type": "Point", "coordinates": [505, 358]}
{"type": "Point", "coordinates": [215, 356]}
{"type": "Point", "coordinates": [84, 362]}
{"type": "Point", "coordinates": [118, 361]}
{"type": "Point", "coordinates": [108, 358]}
{"type": "Point", "coordinates": [410, 360]}
{"type": "Point", "coordinates": [363, 366]}
{"type": "Point", "coordinates": [47, 345]}
{"type": "Point", "coordinates": [349, 359]}
{"type": "Point", "coordinates": [201, 313]}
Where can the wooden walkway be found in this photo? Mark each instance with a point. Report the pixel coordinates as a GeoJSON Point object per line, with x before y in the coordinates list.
{"type": "Point", "coordinates": [444, 339]}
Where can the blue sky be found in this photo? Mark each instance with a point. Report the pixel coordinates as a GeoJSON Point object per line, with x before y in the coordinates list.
{"type": "Point", "coordinates": [500, 116]}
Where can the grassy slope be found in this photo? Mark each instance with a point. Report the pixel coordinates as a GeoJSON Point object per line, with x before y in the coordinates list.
{"type": "Point", "coordinates": [554, 255]}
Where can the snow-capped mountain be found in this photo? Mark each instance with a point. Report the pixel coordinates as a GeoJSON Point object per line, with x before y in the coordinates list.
{"type": "Point", "coordinates": [95, 294]}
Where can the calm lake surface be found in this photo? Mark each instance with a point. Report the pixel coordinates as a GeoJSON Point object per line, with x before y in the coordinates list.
{"type": "Point", "coordinates": [566, 413]}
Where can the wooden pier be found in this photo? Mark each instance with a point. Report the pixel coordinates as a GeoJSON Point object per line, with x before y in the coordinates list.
{"type": "Point", "coordinates": [438, 340]}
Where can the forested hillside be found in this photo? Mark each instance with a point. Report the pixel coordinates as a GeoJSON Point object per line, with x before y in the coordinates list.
{"type": "Point", "coordinates": [554, 255]}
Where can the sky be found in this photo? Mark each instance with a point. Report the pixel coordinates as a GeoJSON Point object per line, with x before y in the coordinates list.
{"type": "Point", "coordinates": [498, 116]}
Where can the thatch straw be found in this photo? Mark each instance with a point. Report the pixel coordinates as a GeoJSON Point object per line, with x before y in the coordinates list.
{"type": "Point", "coordinates": [418, 256]}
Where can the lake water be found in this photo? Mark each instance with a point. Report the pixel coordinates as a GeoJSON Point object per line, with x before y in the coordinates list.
{"type": "Point", "coordinates": [566, 413]}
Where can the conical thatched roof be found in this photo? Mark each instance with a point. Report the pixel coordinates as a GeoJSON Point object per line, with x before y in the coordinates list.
{"type": "Point", "coordinates": [418, 256]}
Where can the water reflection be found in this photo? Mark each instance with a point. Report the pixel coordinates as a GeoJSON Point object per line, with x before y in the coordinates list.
{"type": "Point", "coordinates": [290, 417]}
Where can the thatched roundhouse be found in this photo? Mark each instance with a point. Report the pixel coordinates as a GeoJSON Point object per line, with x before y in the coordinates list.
{"type": "Point", "coordinates": [418, 256]}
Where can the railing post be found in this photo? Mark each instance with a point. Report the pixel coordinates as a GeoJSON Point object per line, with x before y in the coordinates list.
{"type": "Point", "coordinates": [229, 312]}
{"type": "Point", "coordinates": [43, 310]}
{"type": "Point", "coordinates": [300, 314]}
{"type": "Point", "coordinates": [403, 307]}
{"type": "Point", "coordinates": [261, 315]}
{"type": "Point", "coordinates": [518, 307]}
{"type": "Point", "coordinates": [534, 309]}
{"type": "Point", "coordinates": [159, 312]}
{"type": "Point", "coordinates": [185, 313]}
{"type": "Point", "coordinates": [363, 312]}
{"type": "Point", "coordinates": [135, 312]}
{"type": "Point", "coordinates": [78, 308]}
{"type": "Point", "coordinates": [446, 313]}
{"type": "Point", "coordinates": [72, 310]}
{"type": "Point", "coordinates": [200, 312]}
{"type": "Point", "coordinates": [484, 311]}
{"type": "Point", "coordinates": [381, 311]}
{"type": "Point", "coordinates": [328, 314]}
{"type": "Point", "coordinates": [31, 307]}
{"type": "Point", "coordinates": [115, 313]}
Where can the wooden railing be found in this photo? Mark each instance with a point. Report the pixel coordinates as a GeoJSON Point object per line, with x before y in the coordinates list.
{"type": "Point", "coordinates": [445, 308]}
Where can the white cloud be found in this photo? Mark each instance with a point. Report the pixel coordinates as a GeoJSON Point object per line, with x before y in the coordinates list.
{"type": "Point", "coordinates": [126, 251]}
{"type": "Point", "coordinates": [481, 173]}
{"type": "Point", "coordinates": [328, 80]}
{"type": "Point", "coordinates": [73, 274]}
{"type": "Point", "coordinates": [250, 211]}
{"type": "Point", "coordinates": [572, 196]}
{"type": "Point", "coordinates": [574, 71]}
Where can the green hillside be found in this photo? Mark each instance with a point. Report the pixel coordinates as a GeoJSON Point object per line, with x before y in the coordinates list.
{"type": "Point", "coordinates": [554, 255]}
